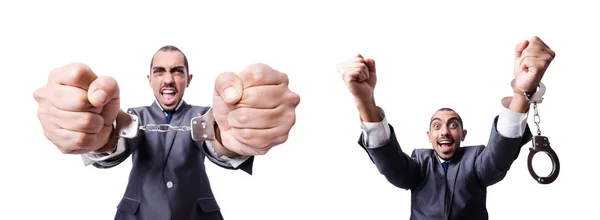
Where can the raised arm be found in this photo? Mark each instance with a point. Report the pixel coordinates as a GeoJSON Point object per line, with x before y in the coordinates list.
{"type": "Point", "coordinates": [378, 137]}
{"type": "Point", "coordinates": [510, 131]}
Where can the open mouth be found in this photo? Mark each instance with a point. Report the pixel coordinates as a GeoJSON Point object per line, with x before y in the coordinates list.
{"type": "Point", "coordinates": [446, 144]}
{"type": "Point", "coordinates": [168, 95]}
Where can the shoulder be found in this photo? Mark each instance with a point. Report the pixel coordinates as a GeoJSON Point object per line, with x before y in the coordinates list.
{"type": "Point", "coordinates": [197, 109]}
{"type": "Point", "coordinates": [422, 153]}
{"type": "Point", "coordinates": [472, 151]}
{"type": "Point", "coordinates": [138, 110]}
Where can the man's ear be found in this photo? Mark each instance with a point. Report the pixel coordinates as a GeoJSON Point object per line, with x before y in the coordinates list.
{"type": "Point", "coordinates": [148, 76]}
{"type": "Point", "coordinates": [189, 79]}
{"type": "Point", "coordinates": [464, 135]}
{"type": "Point", "coordinates": [428, 137]}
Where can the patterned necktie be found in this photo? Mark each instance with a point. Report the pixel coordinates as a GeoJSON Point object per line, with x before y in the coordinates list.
{"type": "Point", "coordinates": [169, 115]}
{"type": "Point", "coordinates": [445, 165]}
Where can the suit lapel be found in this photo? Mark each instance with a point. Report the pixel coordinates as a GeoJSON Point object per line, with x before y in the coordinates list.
{"type": "Point", "coordinates": [177, 120]}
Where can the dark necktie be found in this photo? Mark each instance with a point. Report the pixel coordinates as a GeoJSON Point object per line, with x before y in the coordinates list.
{"type": "Point", "coordinates": [445, 165]}
{"type": "Point", "coordinates": [169, 115]}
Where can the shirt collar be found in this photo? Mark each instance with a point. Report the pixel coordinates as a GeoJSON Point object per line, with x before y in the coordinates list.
{"type": "Point", "coordinates": [176, 108]}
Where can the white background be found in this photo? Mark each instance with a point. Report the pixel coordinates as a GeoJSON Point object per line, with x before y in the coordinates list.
{"type": "Point", "coordinates": [429, 55]}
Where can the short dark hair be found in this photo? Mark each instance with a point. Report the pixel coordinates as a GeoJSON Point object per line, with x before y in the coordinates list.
{"type": "Point", "coordinates": [172, 48]}
{"type": "Point", "coordinates": [448, 109]}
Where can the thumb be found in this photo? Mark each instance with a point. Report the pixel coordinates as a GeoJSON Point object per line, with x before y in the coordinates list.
{"type": "Point", "coordinates": [371, 65]}
{"type": "Point", "coordinates": [103, 90]}
{"type": "Point", "coordinates": [520, 47]}
{"type": "Point", "coordinates": [229, 87]}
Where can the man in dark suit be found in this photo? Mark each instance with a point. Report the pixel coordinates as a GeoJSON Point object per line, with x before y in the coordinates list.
{"type": "Point", "coordinates": [448, 181]}
{"type": "Point", "coordinates": [253, 110]}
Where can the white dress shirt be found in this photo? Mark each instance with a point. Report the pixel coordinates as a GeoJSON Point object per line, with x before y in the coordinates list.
{"type": "Point", "coordinates": [510, 124]}
{"type": "Point", "coordinates": [90, 158]}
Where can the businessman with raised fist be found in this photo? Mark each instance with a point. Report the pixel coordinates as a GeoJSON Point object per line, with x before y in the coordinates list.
{"type": "Point", "coordinates": [448, 181]}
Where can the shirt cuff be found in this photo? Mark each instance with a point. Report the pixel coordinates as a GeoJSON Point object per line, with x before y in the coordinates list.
{"type": "Point", "coordinates": [376, 134]}
{"type": "Point", "coordinates": [224, 160]}
{"type": "Point", "coordinates": [511, 124]}
{"type": "Point", "coordinates": [90, 158]}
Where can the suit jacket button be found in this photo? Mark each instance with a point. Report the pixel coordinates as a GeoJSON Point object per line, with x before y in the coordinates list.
{"type": "Point", "coordinates": [169, 184]}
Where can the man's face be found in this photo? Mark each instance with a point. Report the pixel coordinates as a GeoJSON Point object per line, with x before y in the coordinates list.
{"type": "Point", "coordinates": [445, 133]}
{"type": "Point", "coordinates": [168, 78]}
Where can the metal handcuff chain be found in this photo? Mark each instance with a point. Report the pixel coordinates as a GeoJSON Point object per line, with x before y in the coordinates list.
{"type": "Point", "coordinates": [201, 127]}
{"type": "Point", "coordinates": [540, 143]}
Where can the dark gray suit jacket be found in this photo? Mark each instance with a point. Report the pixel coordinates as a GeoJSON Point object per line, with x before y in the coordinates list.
{"type": "Point", "coordinates": [167, 159]}
{"type": "Point", "coordinates": [459, 193]}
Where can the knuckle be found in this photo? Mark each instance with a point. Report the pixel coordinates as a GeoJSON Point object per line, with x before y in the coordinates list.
{"type": "Point", "coordinates": [243, 116]}
{"type": "Point", "coordinates": [293, 98]}
{"type": "Point", "coordinates": [91, 121]}
{"type": "Point", "coordinates": [77, 71]}
{"type": "Point", "coordinates": [281, 139]}
{"type": "Point", "coordinates": [258, 70]}
{"type": "Point", "coordinates": [38, 94]}
{"type": "Point", "coordinates": [285, 79]}
{"type": "Point", "coordinates": [82, 140]}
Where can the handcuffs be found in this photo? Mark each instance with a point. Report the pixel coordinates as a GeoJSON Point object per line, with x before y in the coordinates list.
{"type": "Point", "coordinates": [201, 127]}
{"type": "Point", "coordinates": [539, 143]}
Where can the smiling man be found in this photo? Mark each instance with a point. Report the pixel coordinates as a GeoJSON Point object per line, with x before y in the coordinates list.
{"type": "Point", "coordinates": [80, 113]}
{"type": "Point", "coordinates": [448, 181]}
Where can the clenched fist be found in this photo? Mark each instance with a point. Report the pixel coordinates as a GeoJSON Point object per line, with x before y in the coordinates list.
{"type": "Point", "coordinates": [532, 58]}
{"type": "Point", "coordinates": [359, 75]}
{"type": "Point", "coordinates": [77, 108]}
{"type": "Point", "coordinates": [254, 110]}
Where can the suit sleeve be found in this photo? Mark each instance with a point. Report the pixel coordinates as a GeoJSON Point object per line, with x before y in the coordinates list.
{"type": "Point", "coordinates": [243, 163]}
{"type": "Point", "coordinates": [494, 161]}
{"type": "Point", "coordinates": [399, 169]}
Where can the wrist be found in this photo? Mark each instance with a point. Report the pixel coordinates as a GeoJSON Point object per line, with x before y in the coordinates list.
{"type": "Point", "coordinates": [111, 144]}
{"type": "Point", "coordinates": [220, 148]}
{"type": "Point", "coordinates": [368, 111]}
{"type": "Point", "coordinates": [518, 103]}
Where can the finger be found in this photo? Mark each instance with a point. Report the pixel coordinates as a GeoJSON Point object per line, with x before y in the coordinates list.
{"type": "Point", "coordinates": [71, 142]}
{"type": "Point", "coordinates": [363, 75]}
{"type": "Point", "coordinates": [264, 97]}
{"type": "Point", "coordinates": [105, 92]}
{"type": "Point", "coordinates": [536, 41]}
{"type": "Point", "coordinates": [352, 75]}
{"type": "Point", "coordinates": [370, 65]}
{"type": "Point", "coordinates": [520, 47]}
{"type": "Point", "coordinates": [75, 74]}
{"type": "Point", "coordinates": [86, 122]}
{"type": "Point", "coordinates": [544, 55]}
{"type": "Point", "coordinates": [260, 118]}
{"type": "Point", "coordinates": [228, 86]}
{"type": "Point", "coordinates": [533, 64]}
{"type": "Point", "coordinates": [261, 139]}
{"type": "Point", "coordinates": [102, 90]}
{"type": "Point", "coordinates": [261, 74]}
{"type": "Point", "coordinates": [69, 98]}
